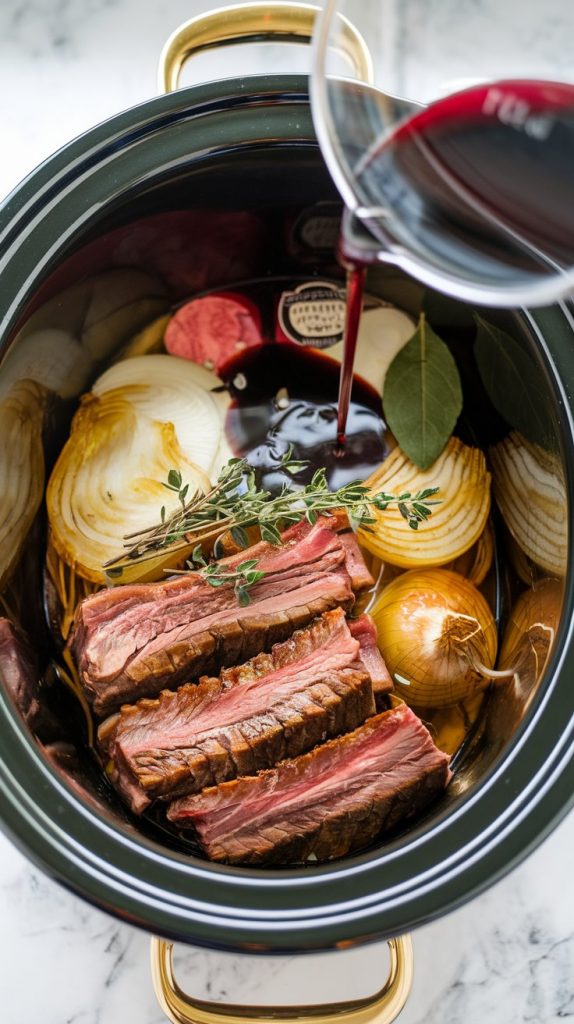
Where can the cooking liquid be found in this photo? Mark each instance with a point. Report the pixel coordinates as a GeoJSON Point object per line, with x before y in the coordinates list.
{"type": "Point", "coordinates": [287, 398]}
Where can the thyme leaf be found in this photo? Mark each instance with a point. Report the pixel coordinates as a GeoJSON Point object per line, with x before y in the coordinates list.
{"type": "Point", "coordinates": [235, 503]}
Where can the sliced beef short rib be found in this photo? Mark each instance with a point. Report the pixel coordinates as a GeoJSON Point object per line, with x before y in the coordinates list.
{"type": "Point", "coordinates": [365, 631]}
{"type": "Point", "coordinates": [335, 799]}
{"type": "Point", "coordinates": [309, 688]}
{"type": "Point", "coordinates": [133, 641]}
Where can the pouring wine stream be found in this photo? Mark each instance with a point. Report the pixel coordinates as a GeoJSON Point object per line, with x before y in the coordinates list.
{"type": "Point", "coordinates": [356, 275]}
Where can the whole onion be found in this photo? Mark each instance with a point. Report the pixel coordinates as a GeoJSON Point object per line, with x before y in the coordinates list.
{"type": "Point", "coordinates": [531, 629]}
{"type": "Point", "coordinates": [437, 635]}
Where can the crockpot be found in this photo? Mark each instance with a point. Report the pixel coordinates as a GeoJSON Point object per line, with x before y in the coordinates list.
{"type": "Point", "coordinates": [202, 188]}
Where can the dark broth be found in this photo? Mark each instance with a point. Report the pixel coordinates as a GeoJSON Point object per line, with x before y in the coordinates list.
{"type": "Point", "coordinates": [287, 396]}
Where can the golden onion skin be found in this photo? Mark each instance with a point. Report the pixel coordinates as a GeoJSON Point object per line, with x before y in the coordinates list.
{"type": "Point", "coordinates": [476, 562]}
{"type": "Point", "coordinates": [532, 627]}
{"type": "Point", "coordinates": [456, 523]}
{"type": "Point", "coordinates": [149, 339]}
{"type": "Point", "coordinates": [433, 628]}
{"type": "Point", "coordinates": [530, 492]}
{"type": "Point", "coordinates": [449, 727]}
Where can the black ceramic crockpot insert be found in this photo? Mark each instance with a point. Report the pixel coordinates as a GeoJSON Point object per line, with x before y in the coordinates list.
{"type": "Point", "coordinates": [248, 146]}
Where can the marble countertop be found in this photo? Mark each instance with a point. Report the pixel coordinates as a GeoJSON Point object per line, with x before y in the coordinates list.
{"type": "Point", "coordinates": [506, 957]}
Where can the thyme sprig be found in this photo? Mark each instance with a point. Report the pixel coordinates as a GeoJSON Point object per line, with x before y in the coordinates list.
{"type": "Point", "coordinates": [243, 576]}
{"type": "Point", "coordinates": [235, 503]}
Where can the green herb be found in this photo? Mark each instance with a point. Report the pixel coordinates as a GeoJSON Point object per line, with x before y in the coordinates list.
{"type": "Point", "coordinates": [175, 483]}
{"type": "Point", "coordinates": [243, 576]}
{"type": "Point", "coordinates": [235, 503]}
{"type": "Point", "coordinates": [246, 574]}
{"type": "Point", "coordinates": [422, 396]}
{"type": "Point", "coordinates": [512, 381]}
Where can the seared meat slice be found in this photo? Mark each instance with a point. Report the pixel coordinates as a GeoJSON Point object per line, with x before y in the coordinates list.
{"type": "Point", "coordinates": [364, 630]}
{"type": "Point", "coordinates": [309, 688]}
{"type": "Point", "coordinates": [20, 679]}
{"type": "Point", "coordinates": [136, 640]}
{"type": "Point", "coordinates": [335, 799]}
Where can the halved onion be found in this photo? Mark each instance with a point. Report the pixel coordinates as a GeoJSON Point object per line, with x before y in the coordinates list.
{"type": "Point", "coordinates": [52, 357]}
{"type": "Point", "coordinates": [21, 469]}
{"type": "Point", "coordinates": [456, 524]}
{"type": "Point", "coordinates": [60, 342]}
{"type": "Point", "coordinates": [118, 303]}
{"type": "Point", "coordinates": [530, 491]}
{"type": "Point", "coordinates": [476, 562]}
{"type": "Point", "coordinates": [148, 340]}
{"type": "Point", "coordinates": [107, 482]}
{"type": "Point", "coordinates": [177, 391]}
{"type": "Point", "coordinates": [523, 566]}
{"type": "Point", "coordinates": [383, 332]}
{"type": "Point", "coordinates": [437, 636]}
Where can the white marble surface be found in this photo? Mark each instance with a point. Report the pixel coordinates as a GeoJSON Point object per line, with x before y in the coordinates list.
{"type": "Point", "coordinates": [506, 957]}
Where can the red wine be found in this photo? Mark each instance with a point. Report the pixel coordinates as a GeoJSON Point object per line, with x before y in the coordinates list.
{"type": "Point", "coordinates": [287, 400]}
{"type": "Point", "coordinates": [355, 289]}
{"type": "Point", "coordinates": [480, 183]}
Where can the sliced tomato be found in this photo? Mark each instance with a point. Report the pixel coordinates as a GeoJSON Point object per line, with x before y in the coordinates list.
{"type": "Point", "coordinates": [213, 329]}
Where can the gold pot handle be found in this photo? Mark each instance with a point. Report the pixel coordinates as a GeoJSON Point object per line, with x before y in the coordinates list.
{"type": "Point", "coordinates": [381, 1008]}
{"type": "Point", "coordinates": [253, 23]}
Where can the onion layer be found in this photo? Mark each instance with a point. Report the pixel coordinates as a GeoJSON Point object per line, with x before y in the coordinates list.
{"type": "Point", "coordinates": [476, 562]}
{"type": "Point", "coordinates": [148, 340]}
{"type": "Point", "coordinates": [383, 332]}
{"type": "Point", "coordinates": [63, 339]}
{"type": "Point", "coordinates": [107, 481]}
{"type": "Point", "coordinates": [177, 391]}
{"type": "Point", "coordinates": [455, 525]}
{"type": "Point", "coordinates": [21, 469]}
{"type": "Point", "coordinates": [530, 491]}
{"type": "Point", "coordinates": [437, 636]}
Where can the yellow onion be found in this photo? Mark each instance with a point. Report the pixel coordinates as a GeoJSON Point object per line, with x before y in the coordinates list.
{"type": "Point", "coordinates": [177, 391]}
{"type": "Point", "coordinates": [52, 357]}
{"type": "Point", "coordinates": [117, 303]}
{"type": "Point", "coordinates": [449, 727]}
{"type": "Point", "coordinates": [153, 565]}
{"type": "Point", "coordinates": [61, 342]}
{"type": "Point", "coordinates": [21, 469]}
{"type": "Point", "coordinates": [148, 340]}
{"type": "Point", "coordinates": [476, 562]}
{"type": "Point", "coordinates": [383, 332]}
{"type": "Point", "coordinates": [107, 482]}
{"type": "Point", "coordinates": [523, 566]}
{"type": "Point", "coordinates": [531, 630]}
{"type": "Point", "coordinates": [437, 636]}
{"type": "Point", "coordinates": [530, 491]}
{"type": "Point", "coordinates": [456, 524]}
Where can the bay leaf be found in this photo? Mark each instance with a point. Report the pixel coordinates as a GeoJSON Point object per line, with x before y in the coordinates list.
{"type": "Point", "coordinates": [513, 382]}
{"type": "Point", "coordinates": [422, 398]}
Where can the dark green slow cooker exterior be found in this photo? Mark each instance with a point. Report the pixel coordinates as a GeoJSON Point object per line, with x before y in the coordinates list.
{"type": "Point", "coordinates": [481, 834]}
